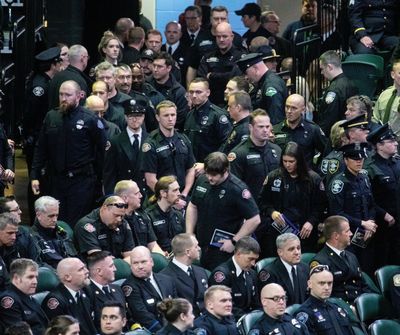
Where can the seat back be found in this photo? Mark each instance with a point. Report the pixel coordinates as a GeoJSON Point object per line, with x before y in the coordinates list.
{"type": "Point", "coordinates": [371, 284]}
{"type": "Point", "coordinates": [292, 309]}
{"type": "Point", "coordinates": [384, 277]}
{"type": "Point", "coordinates": [39, 297]}
{"type": "Point", "coordinates": [384, 327]}
{"type": "Point", "coordinates": [261, 264]}
{"type": "Point", "coordinates": [67, 228]}
{"type": "Point", "coordinates": [363, 75]}
{"type": "Point", "coordinates": [123, 269]}
{"type": "Point", "coordinates": [160, 262]}
{"type": "Point", "coordinates": [47, 280]}
{"type": "Point", "coordinates": [247, 321]}
{"type": "Point", "coordinates": [377, 60]}
{"type": "Point", "coordinates": [354, 320]}
{"type": "Point", "coordinates": [371, 307]}
{"type": "Point", "coordinates": [307, 257]}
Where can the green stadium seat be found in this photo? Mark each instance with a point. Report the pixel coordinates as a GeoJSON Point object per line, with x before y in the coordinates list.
{"type": "Point", "coordinates": [123, 269]}
{"type": "Point", "coordinates": [371, 284]}
{"type": "Point", "coordinates": [261, 264]}
{"type": "Point", "coordinates": [307, 257]}
{"type": "Point", "coordinates": [247, 321]}
{"type": "Point", "coordinates": [39, 297]}
{"type": "Point", "coordinates": [47, 280]}
{"type": "Point", "coordinates": [371, 307]}
{"type": "Point", "coordinates": [160, 262]}
{"type": "Point", "coordinates": [384, 277]}
{"type": "Point", "coordinates": [384, 327]}
{"type": "Point", "coordinates": [292, 309]}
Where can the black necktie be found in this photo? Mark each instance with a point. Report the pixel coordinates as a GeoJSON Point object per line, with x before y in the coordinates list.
{"type": "Point", "coordinates": [192, 37]}
{"type": "Point", "coordinates": [190, 272]}
{"type": "Point", "coordinates": [296, 286]}
{"type": "Point", "coordinates": [343, 255]}
{"type": "Point", "coordinates": [191, 275]}
{"type": "Point", "coordinates": [106, 290]}
{"type": "Point", "coordinates": [135, 143]}
{"type": "Point", "coordinates": [170, 50]}
{"type": "Point", "coordinates": [155, 290]}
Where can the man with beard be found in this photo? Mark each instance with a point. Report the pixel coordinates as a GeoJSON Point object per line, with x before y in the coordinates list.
{"type": "Point", "coordinates": [71, 296]}
{"type": "Point", "coordinates": [70, 151]}
{"type": "Point", "coordinates": [308, 17]}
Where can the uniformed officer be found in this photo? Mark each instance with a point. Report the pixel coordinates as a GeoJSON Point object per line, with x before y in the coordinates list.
{"type": "Point", "coordinates": [179, 316]}
{"type": "Point", "coordinates": [70, 151]}
{"type": "Point", "coordinates": [113, 318]}
{"type": "Point", "coordinates": [52, 240]}
{"type": "Point", "coordinates": [207, 125]}
{"type": "Point", "coordinates": [144, 289]}
{"type": "Point", "coordinates": [105, 229]}
{"type": "Point", "coordinates": [350, 195]}
{"type": "Point", "coordinates": [333, 102]}
{"type": "Point", "coordinates": [16, 303]}
{"type": "Point", "coordinates": [72, 295]}
{"type": "Point", "coordinates": [384, 173]}
{"type": "Point", "coordinates": [218, 318]}
{"type": "Point", "coordinates": [275, 320]}
{"type": "Point", "coordinates": [121, 160]}
{"type": "Point", "coordinates": [296, 128]}
{"type": "Point", "coordinates": [239, 108]}
{"type": "Point", "coordinates": [255, 157]}
{"type": "Point", "coordinates": [287, 269]}
{"type": "Point", "coordinates": [270, 90]}
{"type": "Point", "coordinates": [219, 66]}
{"type": "Point", "coordinates": [167, 152]}
{"type": "Point", "coordinates": [238, 275]}
{"type": "Point", "coordinates": [166, 220]}
{"type": "Point", "coordinates": [321, 316]}
{"type": "Point", "coordinates": [348, 282]}
{"type": "Point", "coordinates": [221, 211]}
{"type": "Point", "coordinates": [190, 280]}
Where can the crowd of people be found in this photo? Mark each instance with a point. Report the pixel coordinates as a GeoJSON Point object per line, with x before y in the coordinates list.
{"type": "Point", "coordinates": [198, 150]}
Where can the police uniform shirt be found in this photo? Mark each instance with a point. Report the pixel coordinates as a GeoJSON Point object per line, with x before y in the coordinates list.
{"type": "Point", "coordinates": [251, 163]}
{"type": "Point", "coordinates": [331, 165]}
{"type": "Point", "coordinates": [348, 282]}
{"type": "Point", "coordinates": [249, 35]}
{"type": "Point", "coordinates": [242, 283]}
{"type": "Point", "coordinates": [167, 155]}
{"type": "Point", "coordinates": [166, 225]}
{"type": "Point", "coordinates": [207, 127]}
{"type": "Point", "coordinates": [170, 329]}
{"type": "Point", "coordinates": [317, 315]}
{"type": "Point", "coordinates": [240, 132]}
{"type": "Point", "coordinates": [307, 135]}
{"type": "Point", "coordinates": [285, 325]}
{"type": "Point", "coordinates": [222, 206]}
{"type": "Point", "coordinates": [16, 306]}
{"type": "Point", "coordinates": [91, 233]}
{"type": "Point", "coordinates": [380, 109]}
{"type": "Point", "coordinates": [208, 324]}
{"type": "Point", "coordinates": [141, 227]}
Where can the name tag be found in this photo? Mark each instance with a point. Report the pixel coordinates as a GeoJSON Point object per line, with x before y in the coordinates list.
{"type": "Point", "coordinates": [253, 156]}
{"type": "Point", "coordinates": [165, 147]}
{"type": "Point", "coordinates": [150, 301]}
{"type": "Point", "coordinates": [201, 189]}
{"type": "Point", "coordinates": [159, 222]}
{"type": "Point", "coordinates": [102, 236]}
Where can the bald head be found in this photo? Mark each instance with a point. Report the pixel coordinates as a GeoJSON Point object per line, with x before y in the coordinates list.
{"type": "Point", "coordinates": [95, 104]}
{"type": "Point", "coordinates": [273, 300]}
{"type": "Point", "coordinates": [73, 273]}
{"type": "Point", "coordinates": [294, 108]}
{"type": "Point", "coordinates": [141, 262]}
{"type": "Point", "coordinates": [224, 36]}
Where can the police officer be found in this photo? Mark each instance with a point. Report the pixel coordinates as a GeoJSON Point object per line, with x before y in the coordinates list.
{"type": "Point", "coordinates": [105, 229]}
{"type": "Point", "coordinates": [255, 157]}
{"type": "Point", "coordinates": [167, 152]}
{"type": "Point", "coordinates": [207, 126]}
{"type": "Point", "coordinates": [275, 320]}
{"type": "Point", "coordinates": [270, 90]}
{"type": "Point", "coordinates": [72, 295]}
{"type": "Point", "coordinates": [348, 282]}
{"type": "Point", "coordinates": [295, 128]}
{"type": "Point", "coordinates": [16, 303]}
{"type": "Point", "coordinates": [237, 274]}
{"type": "Point", "coordinates": [221, 211]}
{"type": "Point", "coordinates": [218, 318]}
{"type": "Point", "coordinates": [52, 240]}
{"type": "Point", "coordinates": [166, 220]}
{"type": "Point", "coordinates": [70, 150]}
{"type": "Point", "coordinates": [350, 195]}
{"type": "Point", "coordinates": [384, 173]}
{"type": "Point", "coordinates": [321, 316]}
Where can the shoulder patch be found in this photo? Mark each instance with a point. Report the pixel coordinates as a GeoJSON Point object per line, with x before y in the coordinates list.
{"type": "Point", "coordinates": [219, 276]}
{"type": "Point", "coordinates": [7, 302]}
{"type": "Point", "coordinates": [200, 331]}
{"type": "Point", "coordinates": [264, 275]}
{"type": "Point", "coordinates": [53, 303]}
{"type": "Point", "coordinates": [100, 124]}
{"type": "Point", "coordinates": [223, 119]}
{"type": "Point", "coordinates": [333, 166]}
{"type": "Point", "coordinates": [246, 194]}
{"type": "Point", "coordinates": [146, 147]}
{"type": "Point", "coordinates": [313, 264]}
{"type": "Point", "coordinates": [330, 97]}
{"type": "Point", "coordinates": [38, 91]}
{"type": "Point", "coordinates": [270, 91]}
{"type": "Point", "coordinates": [296, 323]}
{"type": "Point", "coordinates": [302, 317]}
{"type": "Point", "coordinates": [254, 332]}
{"type": "Point", "coordinates": [231, 156]}
{"type": "Point", "coordinates": [127, 290]}
{"type": "Point", "coordinates": [396, 280]}
{"type": "Point", "coordinates": [89, 228]}
{"type": "Point", "coordinates": [337, 186]}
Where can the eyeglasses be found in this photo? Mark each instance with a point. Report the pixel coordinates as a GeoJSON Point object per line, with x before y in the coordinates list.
{"type": "Point", "coordinates": [118, 205]}
{"type": "Point", "coordinates": [318, 269]}
{"type": "Point", "coordinates": [278, 298]}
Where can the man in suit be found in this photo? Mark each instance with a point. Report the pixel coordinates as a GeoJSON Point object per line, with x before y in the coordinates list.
{"type": "Point", "coordinates": [121, 161]}
{"type": "Point", "coordinates": [144, 290]}
{"type": "Point", "coordinates": [236, 273]}
{"type": "Point", "coordinates": [287, 270]}
{"type": "Point", "coordinates": [348, 282]}
{"type": "Point", "coordinates": [72, 296]}
{"type": "Point", "coordinates": [190, 280]}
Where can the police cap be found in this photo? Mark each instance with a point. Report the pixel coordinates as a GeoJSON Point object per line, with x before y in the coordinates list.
{"type": "Point", "coordinates": [267, 52]}
{"type": "Point", "coordinates": [249, 60]}
{"type": "Point", "coordinates": [355, 150]}
{"type": "Point", "coordinates": [148, 54]}
{"type": "Point", "coordinates": [380, 134]}
{"type": "Point", "coordinates": [250, 9]}
{"type": "Point", "coordinates": [51, 55]}
{"type": "Point", "coordinates": [359, 121]}
{"type": "Point", "coordinates": [135, 106]}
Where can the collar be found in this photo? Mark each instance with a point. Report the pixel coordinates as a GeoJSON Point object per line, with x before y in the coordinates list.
{"type": "Point", "coordinates": [193, 33]}
{"type": "Point", "coordinates": [72, 292]}
{"type": "Point", "coordinates": [336, 251]}
{"type": "Point", "coordinates": [131, 133]}
{"type": "Point", "coordinates": [173, 46]}
{"type": "Point", "coordinates": [237, 267]}
{"type": "Point", "coordinates": [97, 284]}
{"type": "Point", "coordinates": [180, 265]}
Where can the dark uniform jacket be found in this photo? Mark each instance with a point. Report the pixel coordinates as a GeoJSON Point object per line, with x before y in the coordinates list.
{"type": "Point", "coordinates": [239, 133]}
{"type": "Point", "coordinates": [286, 325]}
{"type": "Point", "coordinates": [130, 55]}
{"type": "Point", "coordinates": [208, 324]}
{"type": "Point", "coordinates": [277, 273]}
{"type": "Point", "coordinates": [331, 165]}
{"type": "Point", "coordinates": [16, 306]}
{"type": "Point", "coordinates": [170, 329]}
{"type": "Point", "coordinates": [121, 163]}
{"type": "Point", "coordinates": [207, 127]}
{"type": "Point", "coordinates": [249, 35]}
{"type": "Point", "coordinates": [186, 287]}
{"type": "Point", "coordinates": [91, 233]}
{"type": "Point", "coordinates": [60, 302]}
{"type": "Point", "coordinates": [4, 275]}
{"type": "Point", "coordinates": [317, 315]}
{"type": "Point", "coordinates": [110, 128]}
{"type": "Point", "coordinates": [245, 296]}
{"type": "Point", "coordinates": [115, 112]}
{"type": "Point", "coordinates": [142, 229]}
{"type": "Point", "coordinates": [179, 55]}
{"type": "Point", "coordinates": [348, 282]}
{"type": "Point", "coordinates": [142, 299]}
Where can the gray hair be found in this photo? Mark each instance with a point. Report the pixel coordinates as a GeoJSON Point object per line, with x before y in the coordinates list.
{"type": "Point", "coordinates": [44, 202]}
{"type": "Point", "coordinates": [75, 52]}
{"type": "Point", "coordinates": [283, 238]}
{"type": "Point", "coordinates": [6, 219]}
{"type": "Point", "coordinates": [105, 66]}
